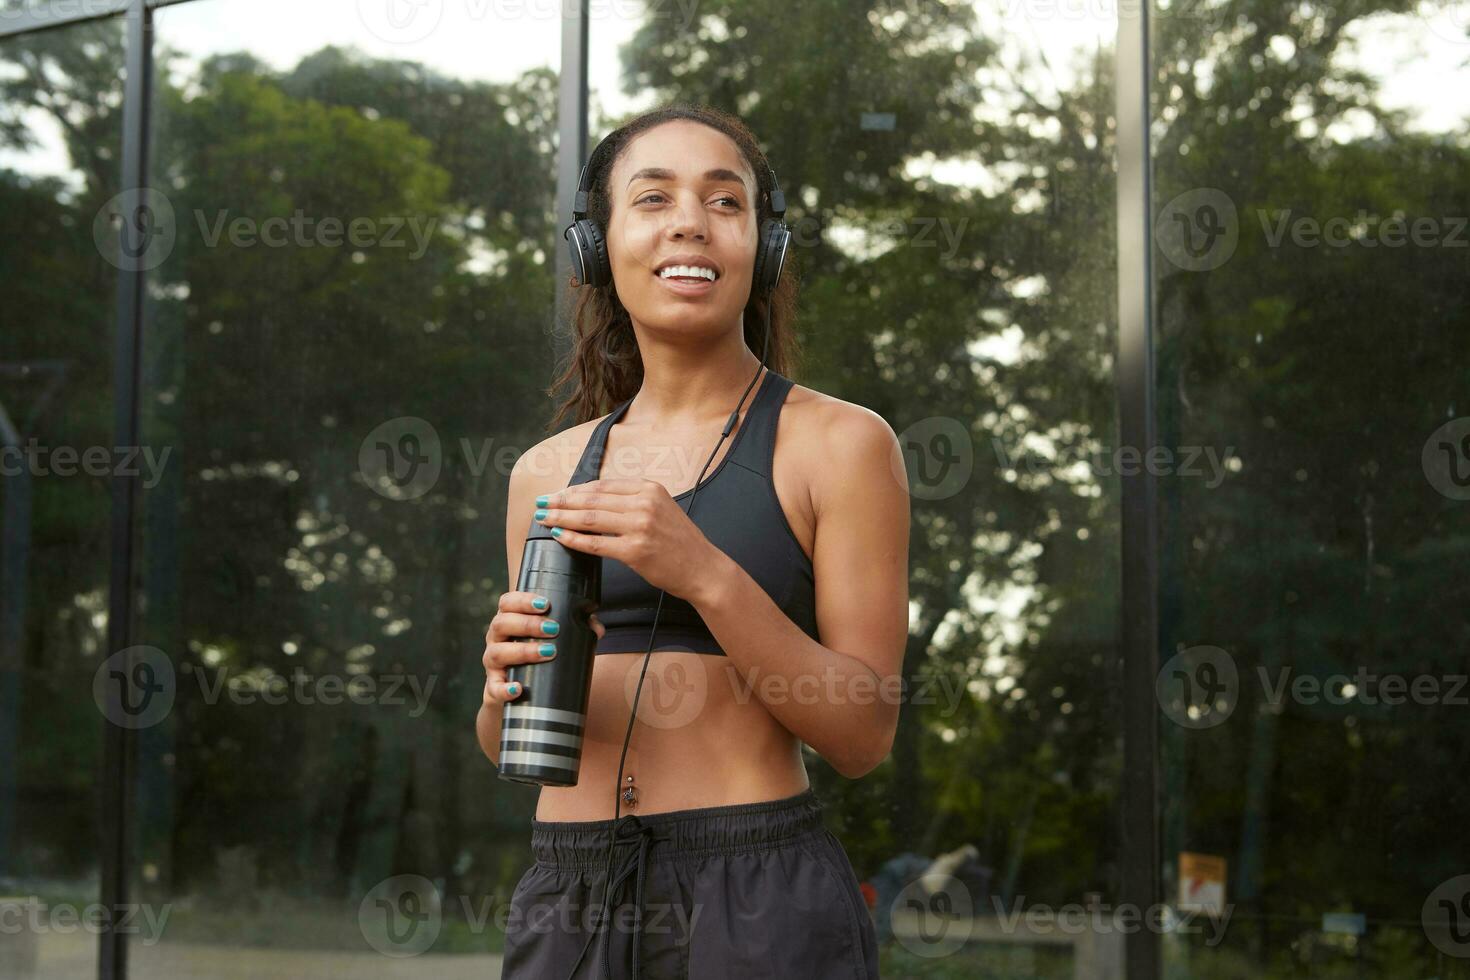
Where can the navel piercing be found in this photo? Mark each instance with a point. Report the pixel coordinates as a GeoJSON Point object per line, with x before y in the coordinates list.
{"type": "Point", "coordinates": [630, 795]}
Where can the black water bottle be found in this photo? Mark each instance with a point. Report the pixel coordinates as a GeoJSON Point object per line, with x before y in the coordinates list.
{"type": "Point", "coordinates": [541, 730]}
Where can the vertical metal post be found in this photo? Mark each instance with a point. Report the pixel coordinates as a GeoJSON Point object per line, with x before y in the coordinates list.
{"type": "Point", "coordinates": [571, 151]}
{"type": "Point", "coordinates": [1140, 839]}
{"type": "Point", "coordinates": [119, 744]}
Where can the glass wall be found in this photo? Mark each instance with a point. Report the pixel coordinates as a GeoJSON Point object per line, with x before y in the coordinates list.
{"type": "Point", "coordinates": [341, 340]}
{"type": "Point", "coordinates": [60, 131]}
{"type": "Point", "coordinates": [949, 175]}
{"type": "Point", "coordinates": [351, 231]}
{"type": "Point", "coordinates": [1313, 182]}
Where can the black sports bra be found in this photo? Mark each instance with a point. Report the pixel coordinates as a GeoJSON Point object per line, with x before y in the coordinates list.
{"type": "Point", "coordinates": [737, 509]}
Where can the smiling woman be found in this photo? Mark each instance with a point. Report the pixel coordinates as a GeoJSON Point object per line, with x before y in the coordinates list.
{"type": "Point", "coordinates": [778, 608]}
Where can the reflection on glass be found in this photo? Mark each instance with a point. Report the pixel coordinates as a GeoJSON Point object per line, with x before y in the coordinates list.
{"type": "Point", "coordinates": [1312, 187]}
{"type": "Point", "coordinates": [61, 96]}
{"type": "Point", "coordinates": [344, 339]}
{"type": "Point", "coordinates": [949, 178]}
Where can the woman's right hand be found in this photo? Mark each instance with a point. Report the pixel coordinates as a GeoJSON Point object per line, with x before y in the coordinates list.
{"type": "Point", "coordinates": [516, 636]}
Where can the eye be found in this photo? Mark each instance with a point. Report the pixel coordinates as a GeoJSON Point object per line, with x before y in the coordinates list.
{"type": "Point", "coordinates": [734, 201]}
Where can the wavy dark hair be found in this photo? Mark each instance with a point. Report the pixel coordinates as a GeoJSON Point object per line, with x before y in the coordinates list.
{"type": "Point", "coordinates": [606, 367]}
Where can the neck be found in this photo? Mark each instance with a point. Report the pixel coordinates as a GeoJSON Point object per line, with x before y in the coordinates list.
{"type": "Point", "coordinates": [690, 385]}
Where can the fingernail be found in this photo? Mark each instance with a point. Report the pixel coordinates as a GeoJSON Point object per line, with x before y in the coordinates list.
{"type": "Point", "coordinates": [556, 532]}
{"type": "Point", "coordinates": [514, 688]}
{"type": "Point", "coordinates": [547, 649]}
{"type": "Point", "coordinates": [539, 602]}
{"type": "Point", "coordinates": [540, 515]}
{"type": "Point", "coordinates": [550, 627]}
{"type": "Point", "coordinates": [542, 500]}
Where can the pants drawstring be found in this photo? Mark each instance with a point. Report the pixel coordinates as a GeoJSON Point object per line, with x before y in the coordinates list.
{"type": "Point", "coordinates": [628, 830]}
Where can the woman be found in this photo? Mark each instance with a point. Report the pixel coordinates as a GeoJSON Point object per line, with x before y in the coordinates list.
{"type": "Point", "coordinates": [785, 611]}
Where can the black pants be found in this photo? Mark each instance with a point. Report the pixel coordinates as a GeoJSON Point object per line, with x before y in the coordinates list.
{"type": "Point", "coordinates": [710, 893]}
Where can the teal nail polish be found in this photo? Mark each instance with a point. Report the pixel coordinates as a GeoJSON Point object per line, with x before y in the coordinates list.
{"type": "Point", "coordinates": [543, 500]}
{"type": "Point", "coordinates": [556, 532]}
{"type": "Point", "coordinates": [540, 515]}
{"type": "Point", "coordinates": [514, 688]}
{"type": "Point", "coordinates": [547, 649]}
{"type": "Point", "coordinates": [551, 627]}
{"type": "Point", "coordinates": [539, 602]}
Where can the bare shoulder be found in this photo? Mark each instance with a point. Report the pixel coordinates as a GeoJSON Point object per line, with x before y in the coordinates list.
{"type": "Point", "coordinates": [840, 442]}
{"type": "Point", "coordinates": [548, 465]}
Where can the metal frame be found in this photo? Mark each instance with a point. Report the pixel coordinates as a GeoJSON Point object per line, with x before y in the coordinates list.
{"type": "Point", "coordinates": [1139, 534]}
{"type": "Point", "coordinates": [571, 152]}
{"type": "Point", "coordinates": [1139, 632]}
{"type": "Point", "coordinates": [120, 744]}
{"type": "Point", "coordinates": [59, 13]}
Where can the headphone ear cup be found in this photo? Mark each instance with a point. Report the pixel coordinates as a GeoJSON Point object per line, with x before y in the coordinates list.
{"type": "Point", "coordinates": [588, 251]}
{"type": "Point", "coordinates": [771, 257]}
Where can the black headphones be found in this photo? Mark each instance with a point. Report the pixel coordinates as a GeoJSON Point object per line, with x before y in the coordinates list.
{"type": "Point", "coordinates": [588, 242]}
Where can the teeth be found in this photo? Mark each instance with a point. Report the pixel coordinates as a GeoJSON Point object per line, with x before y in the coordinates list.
{"type": "Point", "coordinates": [687, 270]}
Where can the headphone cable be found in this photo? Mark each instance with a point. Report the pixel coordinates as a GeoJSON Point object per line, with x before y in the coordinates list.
{"type": "Point", "coordinates": [633, 714]}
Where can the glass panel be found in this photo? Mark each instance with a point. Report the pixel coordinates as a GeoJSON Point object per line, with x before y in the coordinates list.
{"type": "Point", "coordinates": [60, 133]}
{"type": "Point", "coordinates": [1312, 188]}
{"type": "Point", "coordinates": [949, 175]}
{"type": "Point", "coordinates": [346, 335]}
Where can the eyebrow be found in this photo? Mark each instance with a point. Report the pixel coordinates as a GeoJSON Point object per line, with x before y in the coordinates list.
{"type": "Point", "coordinates": [660, 173]}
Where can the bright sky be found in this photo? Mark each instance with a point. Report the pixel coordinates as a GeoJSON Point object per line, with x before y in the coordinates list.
{"type": "Point", "coordinates": [1417, 59]}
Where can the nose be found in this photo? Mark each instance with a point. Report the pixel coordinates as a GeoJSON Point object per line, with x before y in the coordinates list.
{"type": "Point", "coordinates": [689, 219]}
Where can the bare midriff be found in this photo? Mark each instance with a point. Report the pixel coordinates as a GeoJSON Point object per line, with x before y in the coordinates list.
{"type": "Point", "coordinates": [703, 738]}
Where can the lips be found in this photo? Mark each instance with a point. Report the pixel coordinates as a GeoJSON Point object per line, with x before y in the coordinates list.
{"type": "Point", "coordinates": [681, 287]}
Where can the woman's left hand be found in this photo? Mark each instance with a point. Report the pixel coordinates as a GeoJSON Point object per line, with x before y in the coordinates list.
{"type": "Point", "coordinates": [638, 523]}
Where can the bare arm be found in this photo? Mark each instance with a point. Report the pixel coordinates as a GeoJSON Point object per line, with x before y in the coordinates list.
{"type": "Point", "coordinates": [519, 498]}
{"type": "Point", "coordinates": [840, 696]}
{"type": "Point", "coordinates": [535, 473]}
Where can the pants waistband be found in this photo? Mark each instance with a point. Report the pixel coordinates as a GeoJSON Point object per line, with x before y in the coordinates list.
{"type": "Point", "coordinates": [701, 830]}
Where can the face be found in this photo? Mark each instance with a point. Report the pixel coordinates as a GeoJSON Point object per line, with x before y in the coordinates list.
{"type": "Point", "coordinates": [682, 193]}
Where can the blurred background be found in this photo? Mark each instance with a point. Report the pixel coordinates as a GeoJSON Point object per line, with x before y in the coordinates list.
{"type": "Point", "coordinates": [255, 473]}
